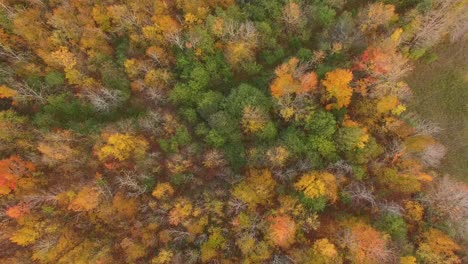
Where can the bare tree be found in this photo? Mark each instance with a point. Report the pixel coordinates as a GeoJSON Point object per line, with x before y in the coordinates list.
{"type": "Point", "coordinates": [26, 93]}
{"type": "Point", "coordinates": [131, 181]}
{"type": "Point", "coordinates": [175, 38]}
{"type": "Point", "coordinates": [236, 206]}
{"type": "Point", "coordinates": [444, 16]}
{"type": "Point", "coordinates": [422, 127]}
{"type": "Point", "coordinates": [361, 195]}
{"type": "Point", "coordinates": [448, 200]}
{"type": "Point", "coordinates": [341, 168]}
{"type": "Point", "coordinates": [42, 198]}
{"type": "Point", "coordinates": [433, 155]}
{"type": "Point", "coordinates": [245, 31]}
{"type": "Point", "coordinates": [103, 99]}
{"type": "Point", "coordinates": [390, 207]}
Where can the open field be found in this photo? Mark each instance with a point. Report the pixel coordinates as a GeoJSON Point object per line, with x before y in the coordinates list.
{"type": "Point", "coordinates": [441, 96]}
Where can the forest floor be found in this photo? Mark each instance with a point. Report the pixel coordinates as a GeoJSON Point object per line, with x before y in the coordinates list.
{"type": "Point", "coordinates": [440, 90]}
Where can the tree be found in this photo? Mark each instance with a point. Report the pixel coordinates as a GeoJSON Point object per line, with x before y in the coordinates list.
{"type": "Point", "coordinates": [375, 15]}
{"type": "Point", "coordinates": [11, 170]}
{"type": "Point", "coordinates": [212, 247]}
{"type": "Point", "coordinates": [87, 199]}
{"type": "Point", "coordinates": [383, 62]}
{"type": "Point", "coordinates": [256, 189]}
{"type": "Point", "coordinates": [437, 22]}
{"type": "Point", "coordinates": [123, 147]}
{"type": "Point", "coordinates": [164, 257]}
{"type": "Point", "coordinates": [447, 200]}
{"type": "Point", "coordinates": [125, 207]}
{"type": "Point", "coordinates": [163, 190]}
{"type": "Point", "coordinates": [278, 156]}
{"type": "Point", "coordinates": [337, 85]}
{"type": "Point", "coordinates": [365, 244]}
{"type": "Point", "coordinates": [6, 92]}
{"type": "Point", "coordinates": [25, 236]}
{"type": "Point", "coordinates": [282, 230]}
{"type": "Point", "coordinates": [56, 148]}
{"type": "Point", "coordinates": [437, 248]}
{"type": "Point", "coordinates": [291, 78]}
{"type": "Point", "coordinates": [253, 120]}
{"type": "Point", "coordinates": [17, 211]}
{"type": "Point", "coordinates": [318, 184]}
{"type": "Point", "coordinates": [180, 212]}
{"type": "Point", "coordinates": [324, 252]}
{"type": "Point", "coordinates": [293, 16]}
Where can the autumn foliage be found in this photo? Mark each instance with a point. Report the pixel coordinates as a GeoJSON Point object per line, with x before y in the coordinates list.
{"type": "Point", "coordinates": [337, 85]}
{"type": "Point", "coordinates": [222, 131]}
{"type": "Point", "coordinates": [290, 80]}
{"type": "Point", "coordinates": [282, 230]}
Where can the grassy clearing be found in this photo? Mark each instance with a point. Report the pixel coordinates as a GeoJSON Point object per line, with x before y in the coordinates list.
{"type": "Point", "coordinates": [441, 95]}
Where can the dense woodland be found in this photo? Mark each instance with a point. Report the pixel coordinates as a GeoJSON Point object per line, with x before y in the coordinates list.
{"type": "Point", "coordinates": [223, 131]}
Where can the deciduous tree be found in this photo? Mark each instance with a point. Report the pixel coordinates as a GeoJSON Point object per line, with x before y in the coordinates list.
{"type": "Point", "coordinates": [337, 85]}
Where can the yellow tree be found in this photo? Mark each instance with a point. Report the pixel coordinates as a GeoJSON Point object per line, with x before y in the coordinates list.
{"type": "Point", "coordinates": [318, 184]}
{"type": "Point", "coordinates": [123, 147]}
{"type": "Point", "coordinates": [181, 211]}
{"type": "Point", "coordinates": [163, 190]}
{"type": "Point", "coordinates": [86, 200]}
{"type": "Point", "coordinates": [337, 85]}
{"type": "Point", "coordinates": [253, 120]}
{"type": "Point", "coordinates": [256, 189]}
{"type": "Point", "coordinates": [325, 252]}
{"type": "Point", "coordinates": [6, 92]}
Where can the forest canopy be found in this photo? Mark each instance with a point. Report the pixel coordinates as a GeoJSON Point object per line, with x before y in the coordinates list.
{"type": "Point", "coordinates": [223, 131]}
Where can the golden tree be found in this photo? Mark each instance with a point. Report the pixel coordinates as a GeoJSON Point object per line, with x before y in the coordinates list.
{"type": "Point", "coordinates": [437, 248]}
{"type": "Point", "coordinates": [337, 85]}
{"type": "Point", "coordinates": [123, 147]}
{"type": "Point", "coordinates": [317, 184]}
{"type": "Point", "coordinates": [86, 200]}
{"type": "Point", "coordinates": [256, 189]}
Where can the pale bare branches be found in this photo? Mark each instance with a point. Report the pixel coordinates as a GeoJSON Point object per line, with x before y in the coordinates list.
{"type": "Point", "coordinates": [175, 38]}
{"type": "Point", "coordinates": [433, 155]}
{"type": "Point", "coordinates": [130, 180]}
{"type": "Point", "coordinates": [448, 198]}
{"type": "Point", "coordinates": [25, 93]}
{"type": "Point", "coordinates": [361, 196]}
{"type": "Point", "coordinates": [245, 31]}
{"type": "Point", "coordinates": [41, 198]}
{"type": "Point", "coordinates": [103, 99]}
{"type": "Point", "coordinates": [422, 127]}
{"type": "Point", "coordinates": [391, 207]}
{"type": "Point", "coordinates": [438, 22]}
